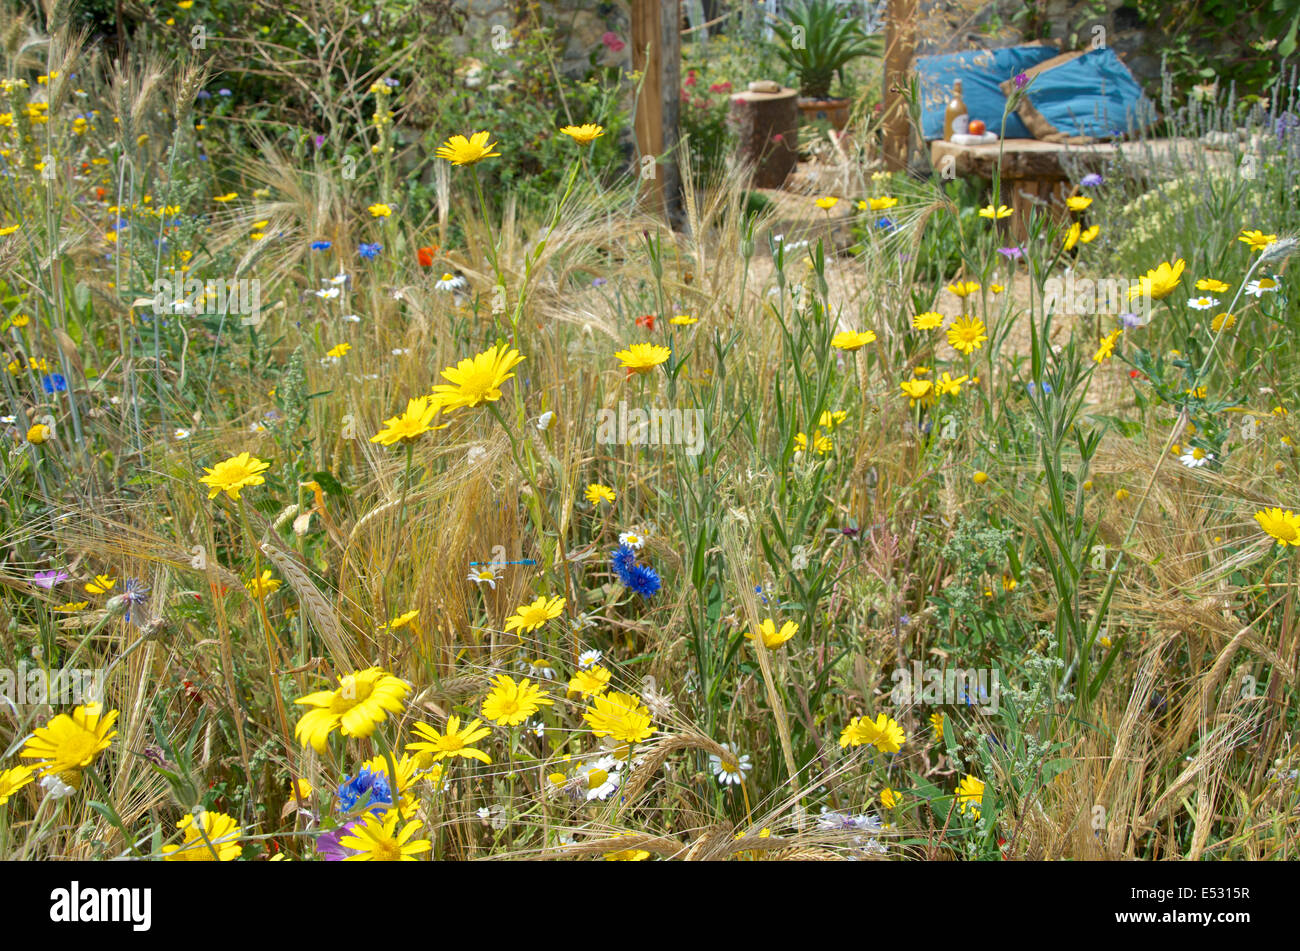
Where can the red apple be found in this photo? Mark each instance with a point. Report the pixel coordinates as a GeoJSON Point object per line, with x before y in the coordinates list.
{"type": "Point", "coordinates": [976, 127]}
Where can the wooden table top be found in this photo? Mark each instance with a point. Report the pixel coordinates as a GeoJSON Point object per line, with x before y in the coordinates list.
{"type": "Point", "coordinates": [1034, 158]}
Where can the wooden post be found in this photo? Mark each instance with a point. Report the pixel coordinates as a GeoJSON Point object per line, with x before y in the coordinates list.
{"type": "Point", "coordinates": [656, 55]}
{"type": "Point", "coordinates": [900, 48]}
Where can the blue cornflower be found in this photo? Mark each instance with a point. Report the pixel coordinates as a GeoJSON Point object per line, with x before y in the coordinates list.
{"type": "Point", "coordinates": [644, 581]}
{"type": "Point", "coordinates": [369, 251]}
{"type": "Point", "coordinates": [321, 245]}
{"type": "Point", "coordinates": [54, 383]}
{"type": "Point", "coordinates": [758, 590]}
{"type": "Point", "coordinates": [366, 784]}
{"type": "Point", "coordinates": [641, 579]}
{"type": "Point", "coordinates": [134, 595]}
{"type": "Point", "coordinates": [884, 224]}
{"type": "Point", "coordinates": [1031, 387]}
{"type": "Point", "coordinates": [624, 560]}
{"type": "Point", "coordinates": [223, 92]}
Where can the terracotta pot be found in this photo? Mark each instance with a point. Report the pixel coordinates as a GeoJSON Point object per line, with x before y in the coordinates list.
{"type": "Point", "coordinates": [836, 111]}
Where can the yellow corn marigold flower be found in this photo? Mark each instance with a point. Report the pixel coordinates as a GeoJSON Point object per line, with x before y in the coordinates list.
{"type": "Point", "coordinates": [101, 584]}
{"type": "Point", "coordinates": [888, 798]}
{"type": "Point", "coordinates": [827, 203]}
{"type": "Point", "coordinates": [379, 211]}
{"type": "Point", "coordinates": [1107, 346]}
{"type": "Point", "coordinates": [979, 478]}
{"type": "Point", "coordinates": [948, 386]}
{"type": "Point", "coordinates": [409, 425]}
{"type": "Point", "coordinates": [927, 321]}
{"type": "Point", "coordinates": [71, 742]}
{"type": "Point", "coordinates": [478, 379]}
{"type": "Point", "coordinates": [1284, 526]}
{"type": "Point", "coordinates": [362, 701]}
{"type": "Point", "coordinates": [529, 617]}
{"type": "Point", "coordinates": [964, 288]}
{"type": "Point", "coordinates": [883, 203]}
{"type": "Point", "coordinates": [969, 795]}
{"type": "Point", "coordinates": [967, 334]}
{"type": "Point", "coordinates": [916, 390]}
{"type": "Point", "coordinates": [1222, 322]}
{"type": "Point", "coordinates": [683, 320]}
{"type": "Point", "coordinates": [643, 357]}
{"type": "Point", "coordinates": [459, 150]}
{"type": "Point", "coordinates": [591, 682]}
{"type": "Point", "coordinates": [1088, 234]}
{"type": "Point", "coordinates": [883, 733]}
{"type": "Point", "coordinates": [38, 434]}
{"type": "Point", "coordinates": [455, 742]}
{"type": "Point", "coordinates": [597, 493]}
{"type": "Point", "coordinates": [936, 726]}
{"type": "Point", "coordinates": [1210, 284]}
{"type": "Point", "coordinates": [510, 703]}
{"type": "Point", "coordinates": [377, 839]}
{"type": "Point", "coordinates": [993, 214]}
{"type": "Point", "coordinates": [1121, 495]}
{"type": "Point", "coordinates": [772, 638]}
{"type": "Point", "coordinates": [822, 444]}
{"type": "Point", "coordinates": [1159, 282]}
{"type": "Point", "coordinates": [229, 196]}
{"type": "Point", "coordinates": [1078, 202]}
{"type": "Point", "coordinates": [234, 474]}
{"type": "Point", "coordinates": [831, 420]}
{"type": "Point", "coordinates": [261, 587]}
{"type": "Point", "coordinates": [12, 780]}
{"type": "Point", "coordinates": [852, 339]}
{"type": "Point", "coordinates": [583, 134]}
{"type": "Point", "coordinates": [1257, 240]}
{"type": "Point", "coordinates": [213, 838]}
{"type": "Point", "coordinates": [620, 716]}
{"type": "Point", "coordinates": [339, 350]}
{"type": "Point", "coordinates": [1072, 236]}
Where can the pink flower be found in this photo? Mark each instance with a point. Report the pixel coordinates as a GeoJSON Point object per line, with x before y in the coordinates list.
{"type": "Point", "coordinates": [48, 579]}
{"type": "Point", "coordinates": [612, 42]}
{"type": "Point", "coordinates": [778, 137]}
{"type": "Point", "coordinates": [690, 79]}
{"type": "Point", "coordinates": [720, 87]}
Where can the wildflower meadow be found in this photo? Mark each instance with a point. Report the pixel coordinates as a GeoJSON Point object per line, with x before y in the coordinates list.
{"type": "Point", "coordinates": [385, 479]}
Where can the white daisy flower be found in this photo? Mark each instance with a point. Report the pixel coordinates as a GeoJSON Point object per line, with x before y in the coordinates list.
{"type": "Point", "coordinates": [537, 728]}
{"type": "Point", "coordinates": [1195, 457]}
{"type": "Point", "coordinates": [338, 279]}
{"type": "Point", "coordinates": [56, 788]}
{"type": "Point", "coordinates": [450, 282]}
{"type": "Point", "coordinates": [401, 351]}
{"type": "Point", "coordinates": [351, 319]}
{"type": "Point", "coordinates": [180, 433]}
{"type": "Point", "coordinates": [731, 770]}
{"type": "Point", "coordinates": [1265, 285]}
{"type": "Point", "coordinates": [546, 421]}
{"type": "Point", "coordinates": [483, 574]}
{"type": "Point", "coordinates": [1203, 303]}
{"type": "Point", "coordinates": [538, 669]}
{"type": "Point", "coordinates": [327, 293]}
{"type": "Point", "coordinates": [589, 659]}
{"type": "Point", "coordinates": [600, 780]}
{"type": "Point", "coordinates": [631, 539]}
{"type": "Point", "coordinates": [8, 419]}
{"type": "Point", "coordinates": [260, 427]}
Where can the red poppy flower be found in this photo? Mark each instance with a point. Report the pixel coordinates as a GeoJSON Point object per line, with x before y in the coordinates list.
{"type": "Point", "coordinates": [647, 321]}
{"type": "Point", "coordinates": [690, 79]}
{"type": "Point", "coordinates": [425, 256]}
{"type": "Point", "coordinates": [100, 193]}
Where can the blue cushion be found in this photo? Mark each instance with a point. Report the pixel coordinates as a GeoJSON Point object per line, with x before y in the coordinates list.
{"type": "Point", "coordinates": [1091, 95]}
{"type": "Point", "coordinates": [980, 72]}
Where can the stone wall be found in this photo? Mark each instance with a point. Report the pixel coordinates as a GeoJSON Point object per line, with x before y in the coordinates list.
{"type": "Point", "coordinates": [584, 25]}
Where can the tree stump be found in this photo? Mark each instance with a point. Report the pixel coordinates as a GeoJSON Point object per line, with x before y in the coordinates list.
{"type": "Point", "coordinates": [767, 125]}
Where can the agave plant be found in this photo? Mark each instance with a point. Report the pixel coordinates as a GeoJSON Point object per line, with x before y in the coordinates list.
{"type": "Point", "coordinates": [819, 41]}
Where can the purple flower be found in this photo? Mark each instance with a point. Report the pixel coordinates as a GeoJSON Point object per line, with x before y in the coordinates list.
{"type": "Point", "coordinates": [319, 140]}
{"type": "Point", "coordinates": [1091, 180]}
{"type": "Point", "coordinates": [330, 846]}
{"type": "Point", "coordinates": [369, 251]}
{"type": "Point", "coordinates": [1012, 254]}
{"type": "Point", "coordinates": [1021, 80]}
{"type": "Point", "coordinates": [598, 282]}
{"type": "Point", "coordinates": [48, 579]}
{"type": "Point", "coordinates": [134, 595]}
{"type": "Point", "coordinates": [1130, 320]}
{"type": "Point", "coordinates": [223, 92]}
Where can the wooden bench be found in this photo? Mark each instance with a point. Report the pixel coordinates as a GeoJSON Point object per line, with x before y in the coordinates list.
{"type": "Point", "coordinates": [1039, 174]}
